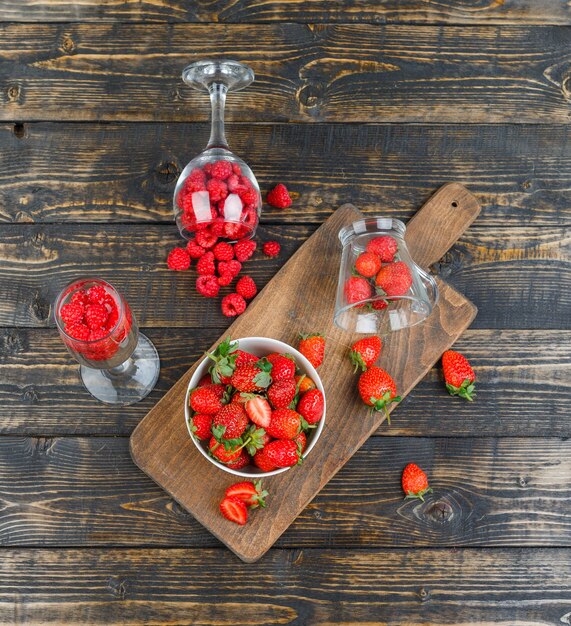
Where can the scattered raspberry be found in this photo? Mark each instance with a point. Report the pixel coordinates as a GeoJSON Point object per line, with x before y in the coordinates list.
{"type": "Point", "coordinates": [71, 313]}
{"type": "Point", "coordinates": [178, 259]}
{"type": "Point", "coordinates": [78, 331]}
{"type": "Point", "coordinates": [205, 265]}
{"type": "Point", "coordinates": [271, 248]}
{"type": "Point", "coordinates": [223, 251]}
{"type": "Point", "coordinates": [229, 267]}
{"type": "Point", "coordinates": [207, 286]}
{"type": "Point", "coordinates": [79, 298]}
{"type": "Point", "coordinates": [96, 316]}
{"type": "Point", "coordinates": [217, 189]}
{"type": "Point", "coordinates": [279, 197]}
{"type": "Point", "coordinates": [244, 249]}
{"type": "Point", "coordinates": [221, 170]}
{"type": "Point", "coordinates": [225, 279]}
{"type": "Point", "coordinates": [246, 287]}
{"type": "Point", "coordinates": [233, 305]}
{"type": "Point", "coordinates": [97, 294]}
{"type": "Point", "coordinates": [206, 239]}
{"type": "Point", "coordinates": [194, 250]}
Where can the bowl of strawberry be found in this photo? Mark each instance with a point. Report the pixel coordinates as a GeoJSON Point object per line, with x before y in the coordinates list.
{"type": "Point", "coordinates": [255, 407]}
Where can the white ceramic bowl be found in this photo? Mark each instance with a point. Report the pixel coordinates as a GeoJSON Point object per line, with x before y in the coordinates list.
{"type": "Point", "coordinates": [260, 346]}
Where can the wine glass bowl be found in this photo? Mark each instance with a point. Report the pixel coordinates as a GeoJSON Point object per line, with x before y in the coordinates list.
{"type": "Point", "coordinates": [217, 191]}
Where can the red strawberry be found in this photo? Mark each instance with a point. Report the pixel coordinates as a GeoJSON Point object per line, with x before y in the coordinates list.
{"type": "Point", "coordinates": [301, 441]}
{"type": "Point", "coordinates": [204, 381]}
{"type": "Point", "coordinates": [201, 424]}
{"type": "Point", "coordinates": [458, 375]}
{"type": "Point", "coordinates": [283, 452]}
{"type": "Point", "coordinates": [385, 247]}
{"type": "Point", "coordinates": [357, 289]}
{"type": "Point", "coordinates": [249, 377]}
{"type": "Point", "coordinates": [365, 352]}
{"type": "Point", "coordinates": [230, 422]}
{"type": "Point", "coordinates": [414, 482]}
{"type": "Point", "coordinates": [241, 461]}
{"type": "Point", "coordinates": [378, 389]}
{"type": "Point", "coordinates": [242, 358]}
{"type": "Point", "coordinates": [311, 406]}
{"type": "Point", "coordinates": [262, 460]}
{"type": "Point", "coordinates": [285, 424]}
{"type": "Point", "coordinates": [234, 510]}
{"type": "Point", "coordinates": [283, 367]}
{"type": "Point", "coordinates": [368, 264]}
{"type": "Point", "coordinates": [259, 411]}
{"type": "Point", "coordinates": [279, 197]}
{"type": "Point", "coordinates": [205, 400]}
{"type": "Point", "coordinates": [250, 493]}
{"type": "Point", "coordinates": [281, 393]}
{"type": "Point", "coordinates": [313, 348]}
{"type": "Point", "coordinates": [218, 451]}
{"type": "Point", "coordinates": [304, 383]}
{"type": "Point", "coordinates": [394, 279]}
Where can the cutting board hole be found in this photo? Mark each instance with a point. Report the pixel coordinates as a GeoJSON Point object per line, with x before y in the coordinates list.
{"type": "Point", "coordinates": [454, 204]}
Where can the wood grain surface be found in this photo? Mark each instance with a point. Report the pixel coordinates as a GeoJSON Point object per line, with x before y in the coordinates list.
{"type": "Point", "coordinates": [86, 492]}
{"type": "Point", "coordinates": [317, 11]}
{"type": "Point", "coordinates": [309, 73]}
{"type": "Point", "coordinates": [117, 172]}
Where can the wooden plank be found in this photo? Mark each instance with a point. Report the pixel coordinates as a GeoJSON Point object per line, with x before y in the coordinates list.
{"type": "Point", "coordinates": [318, 587]}
{"type": "Point", "coordinates": [40, 390]}
{"type": "Point", "coordinates": [510, 273]}
{"type": "Point", "coordinates": [309, 73]}
{"type": "Point", "coordinates": [84, 172]}
{"type": "Point", "coordinates": [316, 11]}
{"type": "Point", "coordinates": [87, 493]}
{"type": "Point", "coordinates": [303, 293]}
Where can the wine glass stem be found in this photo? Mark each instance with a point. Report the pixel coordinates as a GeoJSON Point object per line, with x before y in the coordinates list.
{"type": "Point", "coordinates": [217, 100]}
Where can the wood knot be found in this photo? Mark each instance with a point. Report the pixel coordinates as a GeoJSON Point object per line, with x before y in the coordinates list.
{"type": "Point", "coordinates": [118, 587]}
{"type": "Point", "coordinates": [566, 87]}
{"type": "Point", "coordinates": [40, 307]}
{"type": "Point", "coordinates": [440, 512]}
{"type": "Point", "coordinates": [67, 44]}
{"type": "Point", "coordinates": [309, 96]}
{"type": "Point", "coordinates": [13, 92]}
{"type": "Point", "coordinates": [167, 173]}
{"type": "Point", "coordinates": [12, 342]}
{"type": "Point", "coordinates": [526, 184]}
{"type": "Point", "coordinates": [42, 446]}
{"type": "Point", "coordinates": [424, 594]}
{"type": "Point", "coordinates": [19, 130]}
{"type": "Point", "coordinates": [522, 481]}
{"type": "Point", "coordinates": [30, 395]}
{"type": "Point", "coordinates": [317, 514]}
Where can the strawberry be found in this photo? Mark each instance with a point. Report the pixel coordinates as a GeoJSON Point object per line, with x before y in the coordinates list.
{"type": "Point", "coordinates": [283, 366]}
{"type": "Point", "coordinates": [365, 352]}
{"type": "Point", "coordinates": [285, 424]}
{"type": "Point", "coordinates": [245, 357]}
{"type": "Point", "coordinates": [378, 389]}
{"type": "Point", "coordinates": [385, 247]}
{"type": "Point", "coordinates": [250, 493]}
{"type": "Point", "coordinates": [249, 377]}
{"type": "Point", "coordinates": [205, 400]}
{"type": "Point", "coordinates": [224, 357]}
{"type": "Point", "coordinates": [301, 441]}
{"type": "Point", "coordinates": [219, 452]}
{"type": "Point", "coordinates": [357, 289]}
{"type": "Point", "coordinates": [282, 393]}
{"type": "Point", "coordinates": [414, 482]}
{"type": "Point", "coordinates": [230, 422]}
{"type": "Point", "coordinates": [201, 424]}
{"type": "Point", "coordinates": [241, 461]}
{"type": "Point", "coordinates": [311, 406]}
{"type": "Point", "coordinates": [234, 510]}
{"type": "Point", "coordinates": [368, 264]}
{"type": "Point", "coordinates": [259, 411]}
{"type": "Point", "coordinates": [313, 348]}
{"type": "Point", "coordinates": [394, 279]}
{"type": "Point", "coordinates": [304, 383]}
{"type": "Point", "coordinates": [283, 453]}
{"type": "Point", "coordinates": [205, 381]}
{"type": "Point", "coordinates": [262, 461]}
{"type": "Point", "coordinates": [458, 375]}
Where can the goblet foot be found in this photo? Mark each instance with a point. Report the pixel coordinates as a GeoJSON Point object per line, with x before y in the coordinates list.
{"type": "Point", "coordinates": [232, 74]}
{"type": "Point", "coordinates": [129, 382]}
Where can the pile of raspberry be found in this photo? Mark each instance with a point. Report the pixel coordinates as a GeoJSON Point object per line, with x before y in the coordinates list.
{"type": "Point", "coordinates": [90, 315]}
{"type": "Point", "coordinates": [219, 199]}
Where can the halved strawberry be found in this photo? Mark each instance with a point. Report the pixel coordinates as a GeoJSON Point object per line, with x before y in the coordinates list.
{"type": "Point", "coordinates": [250, 493]}
{"type": "Point", "coordinates": [234, 510]}
{"type": "Point", "coordinates": [259, 411]}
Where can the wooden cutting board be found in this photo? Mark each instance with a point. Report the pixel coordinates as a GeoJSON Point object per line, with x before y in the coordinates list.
{"type": "Point", "coordinates": [300, 298]}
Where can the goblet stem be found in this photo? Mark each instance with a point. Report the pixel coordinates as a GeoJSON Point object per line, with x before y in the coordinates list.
{"type": "Point", "coordinates": [218, 93]}
{"type": "Point", "coordinates": [122, 368]}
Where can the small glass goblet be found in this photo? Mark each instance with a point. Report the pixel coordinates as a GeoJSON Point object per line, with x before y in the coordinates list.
{"type": "Point", "coordinates": [118, 365]}
{"type": "Point", "coordinates": [217, 194]}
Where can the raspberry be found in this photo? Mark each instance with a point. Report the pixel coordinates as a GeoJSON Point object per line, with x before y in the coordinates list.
{"type": "Point", "coordinates": [96, 316]}
{"type": "Point", "coordinates": [194, 250]}
{"type": "Point", "coordinates": [217, 189]}
{"type": "Point", "coordinates": [194, 183]}
{"type": "Point", "coordinates": [208, 169]}
{"type": "Point", "coordinates": [71, 313]}
{"type": "Point", "coordinates": [178, 259]}
{"type": "Point", "coordinates": [112, 319]}
{"type": "Point", "coordinates": [246, 287]}
{"type": "Point", "coordinates": [246, 182]}
{"type": "Point", "coordinates": [229, 267]}
{"type": "Point", "coordinates": [221, 170]}
{"type": "Point", "coordinates": [223, 251]}
{"type": "Point", "coordinates": [279, 197]}
{"type": "Point", "coordinates": [205, 265]}
{"type": "Point", "coordinates": [98, 333]}
{"type": "Point", "coordinates": [271, 248]}
{"type": "Point", "coordinates": [250, 196]}
{"type": "Point", "coordinates": [206, 239]}
{"type": "Point", "coordinates": [97, 294]}
{"type": "Point", "coordinates": [234, 185]}
{"type": "Point", "coordinates": [232, 230]}
{"type": "Point", "coordinates": [78, 331]}
{"type": "Point", "coordinates": [207, 286]}
{"type": "Point", "coordinates": [79, 298]}
{"type": "Point", "coordinates": [233, 305]}
{"type": "Point", "coordinates": [218, 227]}
{"type": "Point", "coordinates": [244, 249]}
{"type": "Point", "coordinates": [379, 305]}
{"type": "Point", "coordinates": [236, 169]}
{"type": "Point", "coordinates": [225, 279]}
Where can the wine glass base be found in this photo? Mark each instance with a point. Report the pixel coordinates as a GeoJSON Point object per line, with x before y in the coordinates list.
{"type": "Point", "coordinates": [233, 74]}
{"type": "Point", "coordinates": [128, 383]}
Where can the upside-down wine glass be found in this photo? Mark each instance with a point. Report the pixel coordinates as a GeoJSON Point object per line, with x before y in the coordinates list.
{"type": "Point", "coordinates": [217, 193]}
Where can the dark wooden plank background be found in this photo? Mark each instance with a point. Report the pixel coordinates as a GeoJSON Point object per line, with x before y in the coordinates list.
{"type": "Point", "coordinates": [366, 102]}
